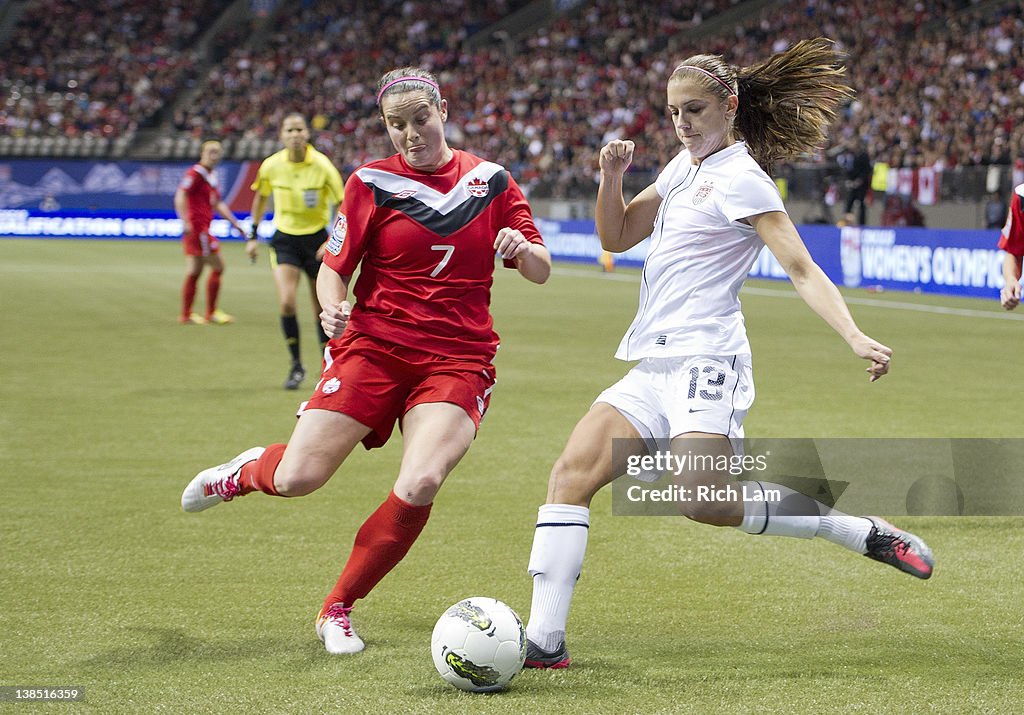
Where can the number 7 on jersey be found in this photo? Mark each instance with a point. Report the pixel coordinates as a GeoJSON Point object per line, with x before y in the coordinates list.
{"type": "Point", "coordinates": [448, 251]}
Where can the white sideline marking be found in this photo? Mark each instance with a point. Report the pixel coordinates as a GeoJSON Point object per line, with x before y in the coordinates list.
{"type": "Point", "coordinates": [581, 273]}
{"type": "Point", "coordinates": [852, 300]}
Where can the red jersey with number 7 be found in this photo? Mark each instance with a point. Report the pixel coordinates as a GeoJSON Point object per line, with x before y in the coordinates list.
{"type": "Point", "coordinates": [425, 243]}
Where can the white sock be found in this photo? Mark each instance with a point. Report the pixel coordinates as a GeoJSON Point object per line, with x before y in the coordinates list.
{"type": "Point", "coordinates": [792, 514]}
{"type": "Point", "coordinates": [850, 532]}
{"type": "Point", "coordinates": [559, 544]}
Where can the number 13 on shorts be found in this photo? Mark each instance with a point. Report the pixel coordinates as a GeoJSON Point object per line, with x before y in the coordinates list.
{"type": "Point", "coordinates": [715, 393]}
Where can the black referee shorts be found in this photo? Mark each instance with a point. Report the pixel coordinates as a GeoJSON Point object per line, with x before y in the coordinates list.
{"type": "Point", "coordinates": [299, 251]}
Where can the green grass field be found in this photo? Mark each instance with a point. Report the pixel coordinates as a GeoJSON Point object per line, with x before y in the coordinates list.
{"type": "Point", "coordinates": [109, 408]}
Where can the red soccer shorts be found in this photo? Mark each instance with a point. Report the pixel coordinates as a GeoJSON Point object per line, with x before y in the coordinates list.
{"type": "Point", "coordinates": [377, 382]}
{"type": "Point", "coordinates": [200, 243]}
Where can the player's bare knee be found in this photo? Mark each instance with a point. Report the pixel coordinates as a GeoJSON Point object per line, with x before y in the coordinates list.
{"type": "Point", "coordinates": [419, 488]}
{"type": "Point", "coordinates": [297, 483]}
{"type": "Point", "coordinates": [569, 484]}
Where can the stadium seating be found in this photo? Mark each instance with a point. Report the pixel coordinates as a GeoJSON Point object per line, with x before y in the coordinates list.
{"type": "Point", "coordinates": [96, 69]}
{"type": "Point", "coordinates": [940, 83]}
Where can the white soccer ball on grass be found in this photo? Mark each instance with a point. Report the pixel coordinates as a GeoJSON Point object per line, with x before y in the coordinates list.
{"type": "Point", "coordinates": [479, 645]}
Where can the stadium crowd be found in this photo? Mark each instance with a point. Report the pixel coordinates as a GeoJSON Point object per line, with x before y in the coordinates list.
{"type": "Point", "coordinates": [535, 114]}
{"type": "Point", "coordinates": [101, 68]}
{"type": "Point", "coordinates": [940, 83]}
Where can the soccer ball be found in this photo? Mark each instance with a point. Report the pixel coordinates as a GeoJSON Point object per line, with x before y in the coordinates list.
{"type": "Point", "coordinates": [479, 645]}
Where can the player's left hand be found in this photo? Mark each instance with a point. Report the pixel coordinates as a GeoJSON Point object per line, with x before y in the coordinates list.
{"type": "Point", "coordinates": [878, 354]}
{"type": "Point", "coordinates": [511, 243]}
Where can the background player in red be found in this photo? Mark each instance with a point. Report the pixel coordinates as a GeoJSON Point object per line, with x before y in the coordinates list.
{"type": "Point", "coordinates": [194, 202]}
{"type": "Point", "coordinates": [1012, 242]}
{"type": "Point", "coordinates": [423, 225]}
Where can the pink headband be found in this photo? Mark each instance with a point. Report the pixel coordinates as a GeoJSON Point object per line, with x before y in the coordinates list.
{"type": "Point", "coordinates": [393, 82]}
{"type": "Point", "coordinates": [709, 74]}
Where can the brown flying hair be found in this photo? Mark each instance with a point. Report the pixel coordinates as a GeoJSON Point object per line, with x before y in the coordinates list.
{"type": "Point", "coordinates": [786, 102]}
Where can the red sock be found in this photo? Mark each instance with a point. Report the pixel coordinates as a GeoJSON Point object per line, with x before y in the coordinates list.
{"type": "Point", "coordinates": [188, 295]}
{"type": "Point", "coordinates": [212, 290]}
{"type": "Point", "coordinates": [258, 476]}
{"type": "Point", "coordinates": [383, 540]}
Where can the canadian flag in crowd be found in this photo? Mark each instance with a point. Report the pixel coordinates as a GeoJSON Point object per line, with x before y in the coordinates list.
{"type": "Point", "coordinates": [927, 186]}
{"type": "Point", "coordinates": [922, 184]}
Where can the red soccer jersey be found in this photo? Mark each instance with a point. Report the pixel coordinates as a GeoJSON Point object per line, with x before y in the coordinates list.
{"type": "Point", "coordinates": [426, 243]}
{"type": "Point", "coordinates": [200, 187]}
{"type": "Point", "coordinates": [1012, 238]}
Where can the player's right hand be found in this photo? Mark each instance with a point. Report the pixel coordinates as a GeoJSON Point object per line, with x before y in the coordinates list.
{"type": "Point", "coordinates": [334, 318]}
{"type": "Point", "coordinates": [616, 156]}
{"type": "Point", "coordinates": [1009, 297]}
{"type": "Point", "coordinates": [873, 351]}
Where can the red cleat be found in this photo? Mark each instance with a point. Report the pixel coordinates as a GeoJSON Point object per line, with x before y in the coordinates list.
{"type": "Point", "coordinates": [899, 548]}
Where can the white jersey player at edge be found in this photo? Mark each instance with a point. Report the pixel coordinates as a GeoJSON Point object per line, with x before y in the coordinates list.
{"type": "Point", "coordinates": [709, 214]}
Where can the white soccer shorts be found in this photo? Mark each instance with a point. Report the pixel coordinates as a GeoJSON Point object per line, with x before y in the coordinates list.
{"type": "Point", "coordinates": [666, 397]}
